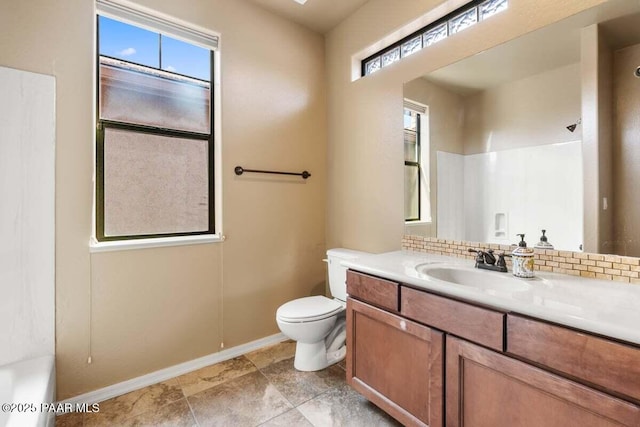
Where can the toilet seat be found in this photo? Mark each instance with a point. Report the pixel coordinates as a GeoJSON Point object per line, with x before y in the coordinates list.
{"type": "Point", "coordinates": [309, 309]}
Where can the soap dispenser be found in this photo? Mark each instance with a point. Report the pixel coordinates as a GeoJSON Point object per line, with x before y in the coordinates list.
{"type": "Point", "coordinates": [544, 242]}
{"type": "Point", "coordinates": [522, 258]}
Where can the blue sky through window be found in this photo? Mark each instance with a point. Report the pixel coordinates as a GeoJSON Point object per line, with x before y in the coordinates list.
{"type": "Point", "coordinates": [185, 58]}
{"type": "Point", "coordinates": [140, 46]}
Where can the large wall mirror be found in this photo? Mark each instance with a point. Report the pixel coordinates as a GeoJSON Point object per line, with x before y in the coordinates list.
{"type": "Point", "coordinates": [542, 132]}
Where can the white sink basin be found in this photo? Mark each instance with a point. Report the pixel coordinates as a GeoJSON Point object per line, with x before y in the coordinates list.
{"type": "Point", "coordinates": [488, 281]}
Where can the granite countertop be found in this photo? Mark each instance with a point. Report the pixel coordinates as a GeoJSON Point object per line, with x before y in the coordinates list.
{"type": "Point", "coordinates": [599, 306]}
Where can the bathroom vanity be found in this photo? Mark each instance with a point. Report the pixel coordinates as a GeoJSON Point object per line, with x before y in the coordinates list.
{"type": "Point", "coordinates": [555, 352]}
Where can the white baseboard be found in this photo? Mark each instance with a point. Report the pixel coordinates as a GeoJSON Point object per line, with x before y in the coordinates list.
{"type": "Point", "coordinates": [119, 389]}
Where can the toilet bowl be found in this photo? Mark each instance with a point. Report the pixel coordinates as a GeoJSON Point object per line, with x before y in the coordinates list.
{"type": "Point", "coordinates": [317, 323]}
{"type": "Point", "coordinates": [308, 321]}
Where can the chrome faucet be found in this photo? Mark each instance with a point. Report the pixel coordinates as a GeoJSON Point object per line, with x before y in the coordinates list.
{"type": "Point", "coordinates": [486, 260]}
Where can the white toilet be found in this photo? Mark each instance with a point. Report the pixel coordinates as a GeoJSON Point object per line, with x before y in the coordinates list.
{"type": "Point", "coordinates": [317, 323]}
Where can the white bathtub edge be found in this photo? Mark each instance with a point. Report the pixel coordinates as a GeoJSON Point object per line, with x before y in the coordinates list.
{"type": "Point", "coordinates": [32, 385]}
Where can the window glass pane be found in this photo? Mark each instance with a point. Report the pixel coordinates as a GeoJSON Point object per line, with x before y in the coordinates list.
{"type": "Point", "coordinates": [464, 20]}
{"type": "Point", "coordinates": [154, 184]}
{"type": "Point", "coordinates": [372, 66]}
{"type": "Point", "coordinates": [184, 58]}
{"type": "Point", "coordinates": [412, 192]}
{"type": "Point", "coordinates": [411, 46]}
{"type": "Point", "coordinates": [410, 119]}
{"type": "Point", "coordinates": [435, 35]}
{"type": "Point", "coordinates": [139, 95]}
{"type": "Point", "coordinates": [129, 43]}
{"type": "Point", "coordinates": [491, 7]}
{"type": "Point", "coordinates": [410, 147]}
{"type": "Point", "coordinates": [390, 57]}
{"type": "Point", "coordinates": [411, 142]}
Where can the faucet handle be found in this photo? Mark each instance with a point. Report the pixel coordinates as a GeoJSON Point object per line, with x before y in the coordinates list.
{"type": "Point", "coordinates": [501, 261]}
{"type": "Point", "coordinates": [479, 255]}
{"type": "Point", "coordinates": [489, 257]}
{"type": "Point", "coordinates": [484, 257]}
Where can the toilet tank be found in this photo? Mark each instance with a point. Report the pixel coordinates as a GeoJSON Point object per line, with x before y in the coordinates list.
{"type": "Point", "coordinates": [338, 273]}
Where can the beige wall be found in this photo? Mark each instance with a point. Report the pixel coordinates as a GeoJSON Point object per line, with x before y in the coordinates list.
{"type": "Point", "coordinates": [138, 311]}
{"type": "Point", "coordinates": [524, 113]}
{"type": "Point", "coordinates": [596, 139]}
{"type": "Point", "coordinates": [605, 145]}
{"type": "Point", "coordinates": [626, 152]}
{"type": "Point", "coordinates": [365, 196]}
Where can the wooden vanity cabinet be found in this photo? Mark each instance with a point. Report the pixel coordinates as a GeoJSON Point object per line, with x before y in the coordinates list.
{"type": "Point", "coordinates": [489, 389]}
{"type": "Point", "coordinates": [478, 324]}
{"type": "Point", "coordinates": [611, 366]}
{"type": "Point", "coordinates": [374, 290]}
{"type": "Point", "coordinates": [431, 360]}
{"type": "Point", "coordinates": [394, 362]}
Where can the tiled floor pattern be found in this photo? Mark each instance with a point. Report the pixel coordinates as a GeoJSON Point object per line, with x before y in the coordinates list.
{"type": "Point", "coordinates": [258, 389]}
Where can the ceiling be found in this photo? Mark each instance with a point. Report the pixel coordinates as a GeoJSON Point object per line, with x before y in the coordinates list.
{"type": "Point", "coordinates": [317, 15]}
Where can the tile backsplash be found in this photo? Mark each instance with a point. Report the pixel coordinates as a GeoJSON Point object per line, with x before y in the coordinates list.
{"type": "Point", "coordinates": [597, 266]}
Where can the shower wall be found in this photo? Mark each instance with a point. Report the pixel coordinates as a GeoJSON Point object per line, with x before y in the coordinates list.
{"type": "Point", "coordinates": [27, 156]}
{"type": "Point", "coordinates": [516, 151]}
{"type": "Point", "coordinates": [529, 197]}
{"type": "Point", "coordinates": [626, 151]}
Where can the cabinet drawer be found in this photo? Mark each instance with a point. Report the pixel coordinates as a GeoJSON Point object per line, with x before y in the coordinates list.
{"type": "Point", "coordinates": [598, 361]}
{"type": "Point", "coordinates": [477, 324]}
{"type": "Point", "coordinates": [375, 291]}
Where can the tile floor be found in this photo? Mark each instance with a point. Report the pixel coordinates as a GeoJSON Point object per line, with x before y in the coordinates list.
{"type": "Point", "coordinates": [260, 388]}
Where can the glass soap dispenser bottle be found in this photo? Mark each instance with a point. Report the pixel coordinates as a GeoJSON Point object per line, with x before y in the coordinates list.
{"type": "Point", "coordinates": [522, 258]}
{"type": "Point", "coordinates": [544, 242]}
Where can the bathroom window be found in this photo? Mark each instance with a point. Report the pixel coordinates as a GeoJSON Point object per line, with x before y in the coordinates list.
{"type": "Point", "coordinates": [456, 21]}
{"type": "Point", "coordinates": [416, 163]}
{"type": "Point", "coordinates": [155, 139]}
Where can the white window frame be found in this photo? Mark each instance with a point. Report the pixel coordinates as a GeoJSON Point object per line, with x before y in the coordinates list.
{"type": "Point", "coordinates": [140, 16]}
{"type": "Point", "coordinates": [425, 160]}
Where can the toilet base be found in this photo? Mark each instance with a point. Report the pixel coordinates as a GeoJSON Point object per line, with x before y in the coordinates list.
{"type": "Point", "coordinates": [310, 357]}
{"type": "Point", "coordinates": [314, 357]}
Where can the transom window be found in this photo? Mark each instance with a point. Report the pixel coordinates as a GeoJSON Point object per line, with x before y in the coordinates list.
{"type": "Point", "coordinates": [154, 156]}
{"type": "Point", "coordinates": [454, 22]}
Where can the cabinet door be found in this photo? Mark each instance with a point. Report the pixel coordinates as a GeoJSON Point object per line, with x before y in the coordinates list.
{"type": "Point", "coordinates": [396, 364]}
{"type": "Point", "coordinates": [489, 389]}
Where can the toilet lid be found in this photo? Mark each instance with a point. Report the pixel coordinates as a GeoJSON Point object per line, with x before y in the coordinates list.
{"type": "Point", "coordinates": [308, 309]}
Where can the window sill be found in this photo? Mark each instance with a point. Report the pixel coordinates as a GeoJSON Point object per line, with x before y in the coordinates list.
{"type": "Point", "coordinates": [125, 245]}
{"type": "Point", "coordinates": [418, 222]}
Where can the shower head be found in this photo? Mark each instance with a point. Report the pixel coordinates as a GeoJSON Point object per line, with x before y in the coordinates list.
{"type": "Point", "coordinates": [572, 127]}
{"type": "Point", "coordinates": [637, 72]}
